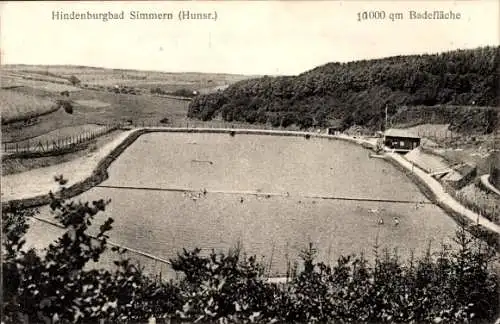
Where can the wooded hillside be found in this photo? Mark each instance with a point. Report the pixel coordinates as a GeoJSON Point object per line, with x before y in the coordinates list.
{"type": "Point", "coordinates": [358, 92]}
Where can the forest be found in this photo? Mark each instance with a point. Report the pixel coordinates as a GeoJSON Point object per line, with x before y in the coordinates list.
{"type": "Point", "coordinates": [358, 93]}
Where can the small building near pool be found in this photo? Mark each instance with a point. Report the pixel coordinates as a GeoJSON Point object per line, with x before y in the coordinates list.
{"type": "Point", "coordinates": [334, 130]}
{"type": "Point", "coordinates": [400, 140]}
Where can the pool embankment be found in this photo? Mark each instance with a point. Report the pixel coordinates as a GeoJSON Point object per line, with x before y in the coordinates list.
{"type": "Point", "coordinates": [98, 175]}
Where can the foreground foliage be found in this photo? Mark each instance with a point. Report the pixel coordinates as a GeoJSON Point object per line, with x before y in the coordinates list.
{"type": "Point", "coordinates": [456, 285]}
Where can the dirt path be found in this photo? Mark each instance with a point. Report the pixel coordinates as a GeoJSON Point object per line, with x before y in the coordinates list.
{"type": "Point", "coordinates": [40, 181]}
{"type": "Point", "coordinates": [442, 195]}
{"type": "Point", "coordinates": [486, 182]}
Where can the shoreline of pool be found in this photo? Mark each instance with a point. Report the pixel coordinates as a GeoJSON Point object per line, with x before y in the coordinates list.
{"type": "Point", "coordinates": [86, 172]}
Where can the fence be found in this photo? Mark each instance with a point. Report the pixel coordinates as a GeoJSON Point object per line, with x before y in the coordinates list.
{"type": "Point", "coordinates": [456, 140]}
{"type": "Point", "coordinates": [437, 135]}
{"type": "Point", "coordinates": [47, 146]}
{"type": "Point", "coordinates": [212, 124]}
{"type": "Point", "coordinates": [151, 265]}
{"type": "Point", "coordinates": [439, 114]}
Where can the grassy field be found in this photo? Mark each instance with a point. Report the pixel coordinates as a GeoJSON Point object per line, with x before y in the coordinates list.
{"type": "Point", "coordinates": [35, 88]}
{"type": "Point", "coordinates": [31, 91]}
{"type": "Point", "coordinates": [47, 83]}
{"type": "Point", "coordinates": [119, 108]}
{"type": "Point", "coordinates": [485, 203]}
{"type": "Point", "coordinates": [20, 106]}
{"type": "Point", "coordinates": [17, 165]}
{"type": "Point", "coordinates": [92, 103]}
{"type": "Point", "coordinates": [94, 76]}
{"type": "Point", "coordinates": [62, 134]}
{"type": "Point", "coordinates": [36, 76]}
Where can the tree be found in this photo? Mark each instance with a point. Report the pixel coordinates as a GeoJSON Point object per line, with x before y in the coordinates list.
{"type": "Point", "coordinates": [67, 105]}
{"type": "Point", "coordinates": [288, 119]}
{"type": "Point", "coordinates": [74, 80]}
{"type": "Point", "coordinates": [453, 285]}
{"type": "Point", "coordinates": [360, 89]}
{"type": "Point", "coordinates": [305, 122]}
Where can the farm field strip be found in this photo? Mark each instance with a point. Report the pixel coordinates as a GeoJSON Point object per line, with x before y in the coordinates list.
{"type": "Point", "coordinates": [16, 105]}
{"type": "Point", "coordinates": [92, 103]}
{"type": "Point", "coordinates": [49, 86]}
{"type": "Point", "coordinates": [59, 133]}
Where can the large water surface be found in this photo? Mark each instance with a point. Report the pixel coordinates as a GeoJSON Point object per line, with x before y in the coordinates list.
{"type": "Point", "coordinates": [273, 227]}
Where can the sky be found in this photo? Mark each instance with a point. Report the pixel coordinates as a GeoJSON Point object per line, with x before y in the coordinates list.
{"type": "Point", "coordinates": [248, 37]}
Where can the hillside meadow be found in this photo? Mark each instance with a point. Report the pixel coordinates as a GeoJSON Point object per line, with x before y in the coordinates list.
{"type": "Point", "coordinates": [95, 76]}
{"type": "Point", "coordinates": [21, 106]}
{"type": "Point", "coordinates": [30, 91]}
{"type": "Point", "coordinates": [89, 107]}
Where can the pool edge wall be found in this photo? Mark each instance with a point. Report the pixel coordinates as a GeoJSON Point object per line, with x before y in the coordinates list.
{"type": "Point", "coordinates": [99, 174]}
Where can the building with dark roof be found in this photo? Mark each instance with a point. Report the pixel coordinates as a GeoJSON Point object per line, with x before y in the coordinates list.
{"type": "Point", "coordinates": [400, 140]}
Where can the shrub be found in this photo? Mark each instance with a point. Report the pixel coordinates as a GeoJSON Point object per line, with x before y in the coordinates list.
{"type": "Point", "coordinates": [157, 91]}
{"type": "Point", "coordinates": [288, 120]}
{"type": "Point", "coordinates": [74, 80]}
{"type": "Point", "coordinates": [184, 93]}
{"type": "Point", "coordinates": [67, 105]}
{"type": "Point", "coordinates": [451, 286]}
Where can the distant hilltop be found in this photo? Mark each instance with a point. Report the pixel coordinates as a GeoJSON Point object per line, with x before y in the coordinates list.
{"type": "Point", "coordinates": [357, 93]}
